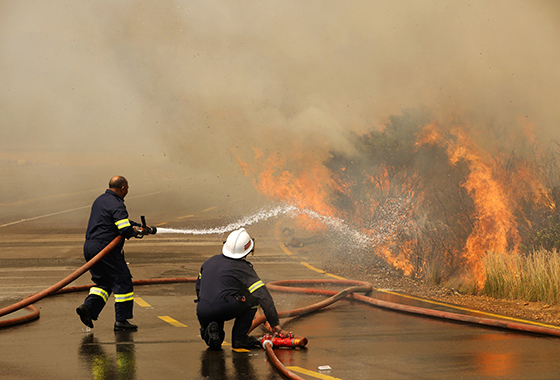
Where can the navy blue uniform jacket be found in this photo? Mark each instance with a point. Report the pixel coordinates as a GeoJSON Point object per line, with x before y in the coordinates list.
{"type": "Point", "coordinates": [109, 219]}
{"type": "Point", "coordinates": [222, 277]}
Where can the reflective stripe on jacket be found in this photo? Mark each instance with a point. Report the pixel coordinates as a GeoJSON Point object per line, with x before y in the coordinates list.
{"type": "Point", "coordinates": [221, 277]}
{"type": "Point", "coordinates": [109, 218]}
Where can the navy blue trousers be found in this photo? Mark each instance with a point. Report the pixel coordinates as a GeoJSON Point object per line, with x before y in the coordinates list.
{"type": "Point", "coordinates": [225, 310]}
{"type": "Point", "coordinates": [110, 275]}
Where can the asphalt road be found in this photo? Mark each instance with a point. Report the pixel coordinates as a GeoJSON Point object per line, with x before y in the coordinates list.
{"type": "Point", "coordinates": [356, 341]}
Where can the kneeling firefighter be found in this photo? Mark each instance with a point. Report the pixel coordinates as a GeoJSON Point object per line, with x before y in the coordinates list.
{"type": "Point", "coordinates": [229, 288]}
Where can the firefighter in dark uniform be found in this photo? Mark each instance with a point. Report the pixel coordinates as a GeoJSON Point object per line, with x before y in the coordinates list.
{"type": "Point", "coordinates": [109, 219]}
{"type": "Point", "coordinates": [229, 288]}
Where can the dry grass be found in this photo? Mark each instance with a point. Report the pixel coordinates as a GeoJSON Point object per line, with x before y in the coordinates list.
{"type": "Point", "coordinates": [532, 277]}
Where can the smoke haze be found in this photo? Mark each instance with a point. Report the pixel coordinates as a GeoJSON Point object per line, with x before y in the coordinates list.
{"type": "Point", "coordinates": [170, 93]}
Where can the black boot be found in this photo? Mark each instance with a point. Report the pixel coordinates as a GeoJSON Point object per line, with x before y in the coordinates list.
{"type": "Point", "coordinates": [125, 326]}
{"type": "Point", "coordinates": [212, 336]}
{"type": "Point", "coordinates": [85, 315]}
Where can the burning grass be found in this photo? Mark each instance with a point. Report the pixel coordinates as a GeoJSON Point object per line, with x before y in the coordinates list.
{"type": "Point", "coordinates": [431, 198]}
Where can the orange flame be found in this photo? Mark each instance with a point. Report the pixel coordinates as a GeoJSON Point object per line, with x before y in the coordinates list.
{"type": "Point", "coordinates": [495, 225]}
{"type": "Point", "coordinates": [399, 257]}
{"type": "Point", "coordinates": [496, 191]}
{"type": "Point", "coordinates": [430, 134]}
{"type": "Point", "coordinates": [309, 189]}
{"type": "Point", "coordinates": [495, 194]}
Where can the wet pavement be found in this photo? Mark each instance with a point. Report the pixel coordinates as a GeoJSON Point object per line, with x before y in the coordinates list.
{"type": "Point", "coordinates": [357, 341]}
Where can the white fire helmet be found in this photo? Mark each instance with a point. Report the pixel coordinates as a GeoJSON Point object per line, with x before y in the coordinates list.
{"type": "Point", "coordinates": [238, 244]}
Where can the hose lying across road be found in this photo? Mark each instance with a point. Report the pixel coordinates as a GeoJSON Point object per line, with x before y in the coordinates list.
{"type": "Point", "coordinates": [282, 286]}
{"type": "Point", "coordinates": [501, 322]}
{"type": "Point", "coordinates": [27, 301]}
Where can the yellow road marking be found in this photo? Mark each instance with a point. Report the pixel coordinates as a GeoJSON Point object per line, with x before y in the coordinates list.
{"type": "Point", "coordinates": [211, 208]}
{"type": "Point", "coordinates": [283, 248]}
{"type": "Point", "coordinates": [320, 271]}
{"type": "Point", "coordinates": [311, 373]}
{"type": "Point", "coordinates": [288, 252]}
{"type": "Point", "coordinates": [171, 321]}
{"type": "Point", "coordinates": [161, 224]}
{"type": "Point", "coordinates": [470, 310]}
{"type": "Point", "coordinates": [240, 350]}
{"type": "Point", "coordinates": [186, 216]}
{"type": "Point", "coordinates": [141, 302]}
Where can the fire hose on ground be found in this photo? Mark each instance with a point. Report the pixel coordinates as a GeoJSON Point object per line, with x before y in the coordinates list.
{"type": "Point", "coordinates": [28, 301]}
{"type": "Point", "coordinates": [281, 286]}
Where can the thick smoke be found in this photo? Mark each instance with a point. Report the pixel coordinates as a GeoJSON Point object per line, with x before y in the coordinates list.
{"type": "Point", "coordinates": [172, 92]}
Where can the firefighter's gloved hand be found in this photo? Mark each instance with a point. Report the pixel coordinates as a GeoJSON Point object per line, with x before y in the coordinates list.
{"type": "Point", "coordinates": [278, 332]}
{"type": "Point", "coordinates": [138, 232]}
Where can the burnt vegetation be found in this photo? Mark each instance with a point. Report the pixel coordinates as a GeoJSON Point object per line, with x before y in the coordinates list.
{"type": "Point", "coordinates": [394, 165]}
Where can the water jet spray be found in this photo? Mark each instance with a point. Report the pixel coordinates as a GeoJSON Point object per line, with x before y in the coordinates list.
{"type": "Point", "coordinates": [386, 226]}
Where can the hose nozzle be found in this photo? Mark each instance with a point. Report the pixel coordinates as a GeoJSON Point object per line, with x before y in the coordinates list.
{"type": "Point", "coordinates": [147, 229]}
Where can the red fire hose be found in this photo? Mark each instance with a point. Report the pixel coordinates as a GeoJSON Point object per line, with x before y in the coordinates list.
{"type": "Point", "coordinates": [278, 364]}
{"type": "Point", "coordinates": [53, 289]}
{"type": "Point", "coordinates": [361, 287]}
{"type": "Point", "coordinates": [267, 344]}
{"type": "Point", "coordinates": [283, 286]}
{"type": "Point", "coordinates": [537, 328]}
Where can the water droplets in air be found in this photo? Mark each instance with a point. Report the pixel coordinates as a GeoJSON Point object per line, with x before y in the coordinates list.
{"type": "Point", "coordinates": [382, 226]}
